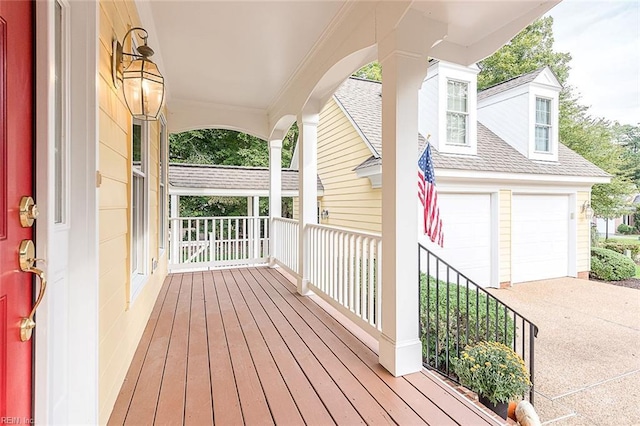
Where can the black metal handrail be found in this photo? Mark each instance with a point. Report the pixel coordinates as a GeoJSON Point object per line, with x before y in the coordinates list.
{"type": "Point", "coordinates": [471, 314]}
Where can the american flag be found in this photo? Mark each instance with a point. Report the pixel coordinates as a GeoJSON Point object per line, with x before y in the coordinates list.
{"type": "Point", "coordinates": [429, 198]}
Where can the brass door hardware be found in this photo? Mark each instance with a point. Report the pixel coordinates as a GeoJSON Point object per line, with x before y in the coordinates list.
{"type": "Point", "coordinates": [28, 212]}
{"type": "Point", "coordinates": [27, 264]}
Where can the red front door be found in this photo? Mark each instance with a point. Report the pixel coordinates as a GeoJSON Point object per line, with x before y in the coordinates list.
{"type": "Point", "coordinates": [16, 147]}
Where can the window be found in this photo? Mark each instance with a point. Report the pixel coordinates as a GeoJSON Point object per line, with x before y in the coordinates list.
{"type": "Point", "coordinates": [457, 112]}
{"type": "Point", "coordinates": [60, 141]}
{"type": "Point", "coordinates": [543, 125]}
{"type": "Point", "coordinates": [162, 195]}
{"type": "Point", "coordinates": [138, 203]}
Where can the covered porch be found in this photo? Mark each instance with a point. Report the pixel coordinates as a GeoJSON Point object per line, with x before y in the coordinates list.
{"type": "Point", "coordinates": [241, 346]}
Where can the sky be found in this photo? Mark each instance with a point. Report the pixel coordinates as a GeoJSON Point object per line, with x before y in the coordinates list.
{"type": "Point", "coordinates": [603, 38]}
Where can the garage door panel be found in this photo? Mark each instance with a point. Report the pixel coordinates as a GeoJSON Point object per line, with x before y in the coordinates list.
{"type": "Point", "coordinates": [540, 237]}
{"type": "Point", "coordinates": [467, 234]}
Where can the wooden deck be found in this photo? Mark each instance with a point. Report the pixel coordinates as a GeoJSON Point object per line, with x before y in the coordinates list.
{"type": "Point", "coordinates": [240, 346]}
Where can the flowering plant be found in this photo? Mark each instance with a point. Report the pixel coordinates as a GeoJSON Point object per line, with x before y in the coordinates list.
{"type": "Point", "coordinates": [492, 370]}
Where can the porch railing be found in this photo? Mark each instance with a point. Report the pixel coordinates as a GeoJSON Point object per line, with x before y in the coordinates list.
{"type": "Point", "coordinates": [344, 269]}
{"type": "Point", "coordinates": [456, 312]}
{"type": "Point", "coordinates": [215, 242]}
{"type": "Point", "coordinates": [286, 246]}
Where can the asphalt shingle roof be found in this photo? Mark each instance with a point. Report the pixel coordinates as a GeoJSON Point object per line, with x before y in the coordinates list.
{"type": "Point", "coordinates": [229, 177]}
{"type": "Point", "coordinates": [509, 84]}
{"type": "Point", "coordinates": [362, 101]}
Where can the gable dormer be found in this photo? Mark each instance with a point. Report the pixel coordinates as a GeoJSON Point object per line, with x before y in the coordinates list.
{"type": "Point", "coordinates": [524, 111]}
{"type": "Point", "coordinates": [447, 108]}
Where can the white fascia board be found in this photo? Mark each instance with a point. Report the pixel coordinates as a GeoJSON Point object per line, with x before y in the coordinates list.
{"type": "Point", "coordinates": [472, 175]}
{"type": "Point", "coordinates": [355, 126]}
{"type": "Point", "coordinates": [374, 173]}
{"type": "Point", "coordinates": [548, 79]}
{"type": "Point", "coordinates": [209, 192]}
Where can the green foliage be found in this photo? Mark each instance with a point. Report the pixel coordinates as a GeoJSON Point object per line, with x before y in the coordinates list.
{"type": "Point", "coordinates": [531, 49]}
{"type": "Point", "coordinates": [636, 219]}
{"type": "Point", "coordinates": [372, 71]}
{"type": "Point", "coordinates": [226, 147]}
{"type": "Point", "coordinates": [485, 320]}
{"type": "Point", "coordinates": [628, 137]}
{"type": "Point", "coordinates": [608, 265]}
{"type": "Point", "coordinates": [620, 246]}
{"type": "Point", "coordinates": [494, 371]}
{"type": "Point", "coordinates": [625, 229]}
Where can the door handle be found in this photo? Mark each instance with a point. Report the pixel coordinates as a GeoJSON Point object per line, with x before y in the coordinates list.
{"type": "Point", "coordinates": [27, 262]}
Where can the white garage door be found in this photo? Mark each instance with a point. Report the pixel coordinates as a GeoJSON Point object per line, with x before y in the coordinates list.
{"type": "Point", "coordinates": [540, 237]}
{"type": "Point", "coordinates": [467, 234]}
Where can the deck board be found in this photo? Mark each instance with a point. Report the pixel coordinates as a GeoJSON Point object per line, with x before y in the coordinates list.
{"type": "Point", "coordinates": [240, 346]}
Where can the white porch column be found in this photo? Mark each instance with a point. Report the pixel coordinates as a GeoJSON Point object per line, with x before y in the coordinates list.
{"type": "Point", "coordinates": [402, 53]}
{"type": "Point", "coordinates": [308, 189]}
{"type": "Point", "coordinates": [175, 227]}
{"type": "Point", "coordinates": [275, 193]}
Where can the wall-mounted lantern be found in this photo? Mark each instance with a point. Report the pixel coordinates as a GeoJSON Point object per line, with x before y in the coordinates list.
{"type": "Point", "coordinates": [587, 210]}
{"type": "Point", "coordinates": [142, 82]}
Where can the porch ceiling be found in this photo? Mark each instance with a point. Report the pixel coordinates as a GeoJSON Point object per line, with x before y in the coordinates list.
{"type": "Point", "coordinates": [253, 66]}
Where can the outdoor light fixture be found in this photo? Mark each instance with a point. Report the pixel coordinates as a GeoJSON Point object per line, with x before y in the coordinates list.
{"type": "Point", "coordinates": [142, 82]}
{"type": "Point", "coordinates": [324, 214]}
{"type": "Point", "coordinates": [587, 210]}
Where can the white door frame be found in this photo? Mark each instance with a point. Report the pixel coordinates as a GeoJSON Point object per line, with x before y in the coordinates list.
{"type": "Point", "coordinates": [76, 353]}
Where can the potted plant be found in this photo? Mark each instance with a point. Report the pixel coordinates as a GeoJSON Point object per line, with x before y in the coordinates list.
{"type": "Point", "coordinates": [495, 372]}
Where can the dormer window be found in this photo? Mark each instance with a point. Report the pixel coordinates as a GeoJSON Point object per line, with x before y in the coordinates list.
{"type": "Point", "coordinates": [457, 112]}
{"type": "Point", "coordinates": [543, 125]}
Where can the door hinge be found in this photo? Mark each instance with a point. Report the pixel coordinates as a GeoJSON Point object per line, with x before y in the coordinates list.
{"type": "Point", "coordinates": [98, 179]}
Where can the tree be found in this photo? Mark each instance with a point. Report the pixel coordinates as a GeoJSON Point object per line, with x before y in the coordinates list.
{"type": "Point", "coordinates": [531, 49]}
{"type": "Point", "coordinates": [225, 147]}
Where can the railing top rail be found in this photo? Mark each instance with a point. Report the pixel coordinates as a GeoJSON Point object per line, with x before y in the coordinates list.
{"type": "Point", "coordinates": [285, 220]}
{"type": "Point", "coordinates": [535, 327]}
{"type": "Point", "coordinates": [217, 217]}
{"type": "Point", "coordinates": [346, 231]}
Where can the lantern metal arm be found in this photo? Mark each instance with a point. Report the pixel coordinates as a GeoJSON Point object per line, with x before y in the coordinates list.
{"type": "Point", "coordinates": [118, 55]}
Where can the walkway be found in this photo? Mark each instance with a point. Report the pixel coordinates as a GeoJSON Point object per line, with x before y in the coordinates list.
{"type": "Point", "coordinates": [587, 350]}
{"type": "Point", "coordinates": [239, 346]}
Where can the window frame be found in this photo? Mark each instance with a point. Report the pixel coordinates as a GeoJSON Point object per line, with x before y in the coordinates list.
{"type": "Point", "coordinates": [451, 112]}
{"type": "Point", "coordinates": [163, 171]}
{"type": "Point", "coordinates": [548, 126]}
{"type": "Point", "coordinates": [139, 235]}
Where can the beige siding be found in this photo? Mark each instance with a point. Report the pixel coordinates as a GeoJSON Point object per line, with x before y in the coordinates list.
{"type": "Point", "coordinates": [505, 236]}
{"type": "Point", "coordinates": [583, 234]}
{"type": "Point", "coordinates": [121, 323]}
{"type": "Point", "coordinates": [350, 200]}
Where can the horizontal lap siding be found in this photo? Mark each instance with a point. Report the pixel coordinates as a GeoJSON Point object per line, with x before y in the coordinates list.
{"type": "Point", "coordinates": [505, 236]}
{"type": "Point", "coordinates": [350, 200]}
{"type": "Point", "coordinates": [120, 325]}
{"type": "Point", "coordinates": [583, 235]}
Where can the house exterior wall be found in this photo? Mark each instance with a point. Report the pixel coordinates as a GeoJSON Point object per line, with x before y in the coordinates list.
{"type": "Point", "coordinates": [350, 200]}
{"type": "Point", "coordinates": [504, 238]}
{"type": "Point", "coordinates": [583, 235]}
{"type": "Point", "coordinates": [515, 105]}
{"type": "Point", "coordinates": [121, 322]}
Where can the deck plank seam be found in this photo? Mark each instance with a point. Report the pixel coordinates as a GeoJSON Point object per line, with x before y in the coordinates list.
{"type": "Point", "coordinates": [186, 367]}
{"type": "Point", "coordinates": [146, 351]}
{"type": "Point", "coordinates": [337, 380]}
{"type": "Point", "coordinates": [206, 334]}
{"type": "Point", "coordinates": [268, 348]}
{"type": "Point", "coordinates": [246, 345]}
{"type": "Point", "coordinates": [288, 345]}
{"type": "Point", "coordinates": [224, 328]}
{"type": "Point", "coordinates": [286, 284]}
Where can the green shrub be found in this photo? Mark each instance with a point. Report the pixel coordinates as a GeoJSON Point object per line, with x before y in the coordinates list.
{"type": "Point", "coordinates": [485, 320]}
{"type": "Point", "coordinates": [620, 247]}
{"type": "Point", "coordinates": [624, 229]}
{"type": "Point", "coordinates": [611, 266]}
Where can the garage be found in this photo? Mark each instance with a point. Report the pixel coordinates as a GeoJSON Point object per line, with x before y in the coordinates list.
{"type": "Point", "coordinates": [467, 244]}
{"type": "Point", "coordinates": [540, 237]}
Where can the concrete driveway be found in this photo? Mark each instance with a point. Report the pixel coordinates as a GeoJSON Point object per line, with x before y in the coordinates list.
{"type": "Point", "coordinates": [587, 350]}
